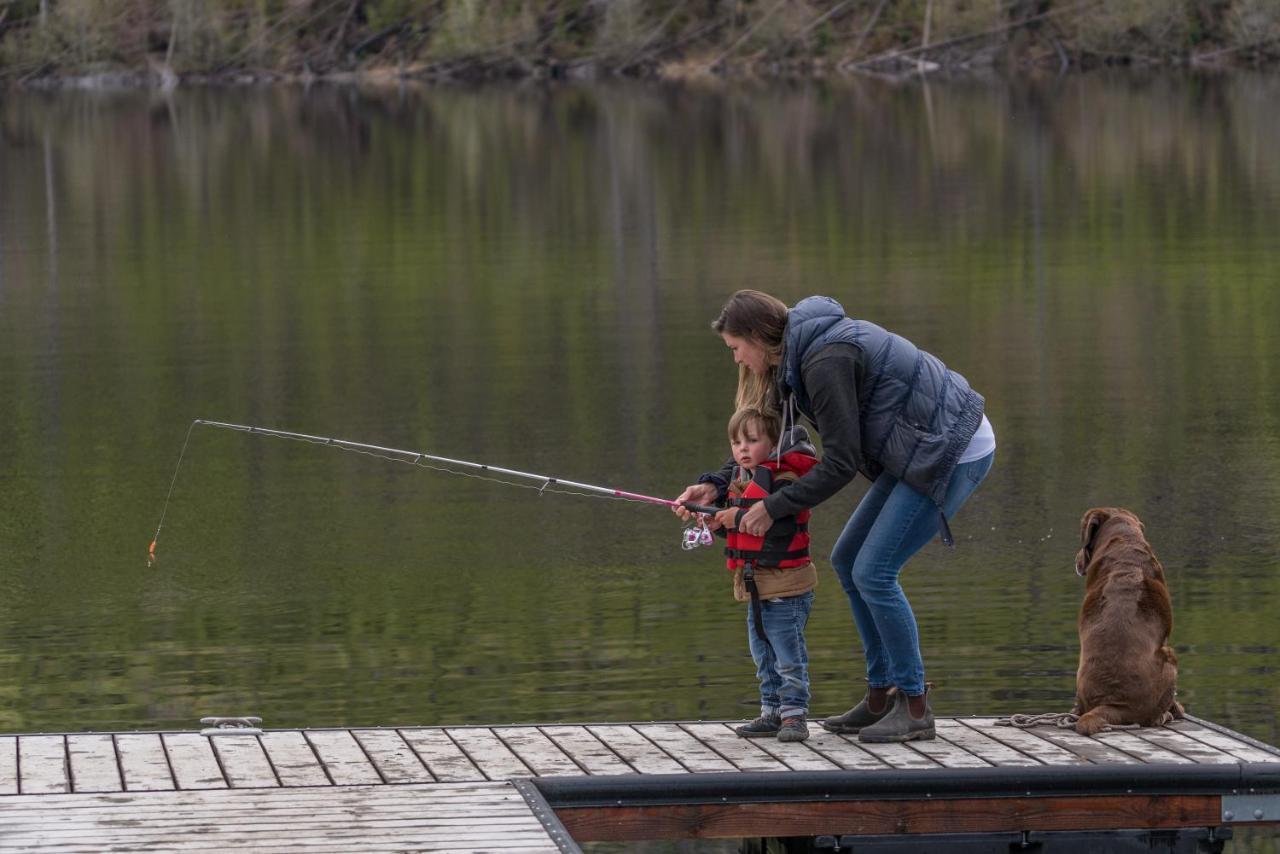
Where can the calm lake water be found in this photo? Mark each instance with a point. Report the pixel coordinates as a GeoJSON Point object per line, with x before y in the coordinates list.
{"type": "Point", "coordinates": [525, 277]}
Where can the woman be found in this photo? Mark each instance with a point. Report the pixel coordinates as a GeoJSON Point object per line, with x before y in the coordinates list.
{"type": "Point", "coordinates": [899, 416]}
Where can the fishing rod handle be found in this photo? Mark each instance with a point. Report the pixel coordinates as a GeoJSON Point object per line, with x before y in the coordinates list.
{"type": "Point", "coordinates": [701, 508]}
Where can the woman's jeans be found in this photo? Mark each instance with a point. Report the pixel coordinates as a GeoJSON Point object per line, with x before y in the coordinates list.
{"type": "Point", "coordinates": [891, 523]}
{"type": "Point", "coordinates": [783, 671]}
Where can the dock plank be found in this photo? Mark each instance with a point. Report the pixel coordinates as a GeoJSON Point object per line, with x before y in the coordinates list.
{"type": "Point", "coordinates": [42, 764]}
{"type": "Point", "coordinates": [295, 763]}
{"type": "Point", "coordinates": [949, 754]}
{"type": "Point", "coordinates": [444, 758]}
{"type": "Point", "coordinates": [845, 753]}
{"type": "Point", "coordinates": [459, 814]}
{"type": "Point", "coordinates": [1024, 740]}
{"type": "Point", "coordinates": [744, 754]}
{"type": "Point", "coordinates": [538, 751]}
{"type": "Point", "coordinates": [322, 845]}
{"type": "Point", "coordinates": [396, 760]}
{"type": "Point", "coordinates": [636, 750]}
{"type": "Point", "coordinates": [1145, 751]}
{"type": "Point", "coordinates": [446, 800]}
{"type": "Point", "coordinates": [93, 763]}
{"type": "Point", "coordinates": [427, 817]}
{"type": "Point", "coordinates": [995, 752]}
{"type": "Point", "coordinates": [143, 762]}
{"type": "Point", "coordinates": [684, 748]}
{"type": "Point", "coordinates": [1239, 749]}
{"type": "Point", "coordinates": [193, 761]}
{"type": "Point", "coordinates": [591, 753]}
{"type": "Point", "coordinates": [901, 756]}
{"type": "Point", "coordinates": [1197, 751]}
{"type": "Point", "coordinates": [8, 765]}
{"type": "Point", "coordinates": [488, 753]}
{"type": "Point", "coordinates": [1088, 748]}
{"type": "Point", "coordinates": [244, 762]}
{"type": "Point", "coordinates": [798, 756]}
{"type": "Point", "coordinates": [343, 757]}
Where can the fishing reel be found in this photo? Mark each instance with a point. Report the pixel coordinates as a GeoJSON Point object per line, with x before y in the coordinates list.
{"type": "Point", "coordinates": [698, 533]}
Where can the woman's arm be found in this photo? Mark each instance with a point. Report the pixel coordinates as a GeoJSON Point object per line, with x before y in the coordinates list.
{"type": "Point", "coordinates": [831, 377]}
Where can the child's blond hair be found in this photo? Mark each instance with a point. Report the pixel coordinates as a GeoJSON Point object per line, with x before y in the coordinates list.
{"type": "Point", "coordinates": [748, 416]}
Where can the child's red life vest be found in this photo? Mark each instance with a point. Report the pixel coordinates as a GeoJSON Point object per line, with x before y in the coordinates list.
{"type": "Point", "coordinates": [786, 544]}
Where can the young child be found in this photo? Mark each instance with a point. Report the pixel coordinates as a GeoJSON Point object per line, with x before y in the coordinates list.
{"type": "Point", "coordinates": [773, 574]}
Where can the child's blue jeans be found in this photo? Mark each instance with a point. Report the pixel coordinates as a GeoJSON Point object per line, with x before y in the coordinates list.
{"type": "Point", "coordinates": [783, 671]}
{"type": "Point", "coordinates": [891, 523]}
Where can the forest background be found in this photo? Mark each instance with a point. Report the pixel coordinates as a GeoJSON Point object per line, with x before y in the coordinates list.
{"type": "Point", "coordinates": [162, 42]}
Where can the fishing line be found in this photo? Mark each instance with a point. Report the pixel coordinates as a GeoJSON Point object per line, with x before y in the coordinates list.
{"type": "Point", "coordinates": [151, 551]}
{"type": "Point", "coordinates": [696, 534]}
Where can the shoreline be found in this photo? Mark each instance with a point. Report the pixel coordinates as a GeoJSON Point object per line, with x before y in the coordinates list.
{"type": "Point", "coordinates": [143, 44]}
{"type": "Point", "coordinates": [898, 67]}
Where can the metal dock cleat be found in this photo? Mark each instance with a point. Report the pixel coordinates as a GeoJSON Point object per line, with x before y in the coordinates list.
{"type": "Point", "coordinates": [231, 726]}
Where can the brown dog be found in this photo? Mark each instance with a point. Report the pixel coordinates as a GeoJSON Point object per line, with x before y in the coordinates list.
{"type": "Point", "coordinates": [1128, 673]}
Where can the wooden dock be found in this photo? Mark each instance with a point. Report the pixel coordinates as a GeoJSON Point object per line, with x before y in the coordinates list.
{"type": "Point", "coordinates": [547, 787]}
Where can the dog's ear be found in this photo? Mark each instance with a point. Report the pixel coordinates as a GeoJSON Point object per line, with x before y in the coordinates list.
{"type": "Point", "coordinates": [1089, 526]}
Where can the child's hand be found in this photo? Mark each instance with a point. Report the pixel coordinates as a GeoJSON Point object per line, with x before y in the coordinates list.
{"type": "Point", "coordinates": [699, 493]}
{"type": "Point", "coordinates": [725, 519]}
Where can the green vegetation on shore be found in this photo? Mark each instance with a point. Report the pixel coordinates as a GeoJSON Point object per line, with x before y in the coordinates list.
{"type": "Point", "coordinates": [163, 41]}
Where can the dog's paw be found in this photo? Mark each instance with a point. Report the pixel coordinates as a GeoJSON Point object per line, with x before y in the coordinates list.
{"type": "Point", "coordinates": [1091, 723]}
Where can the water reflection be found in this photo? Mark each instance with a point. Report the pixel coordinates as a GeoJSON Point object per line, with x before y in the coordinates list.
{"type": "Point", "coordinates": [525, 276]}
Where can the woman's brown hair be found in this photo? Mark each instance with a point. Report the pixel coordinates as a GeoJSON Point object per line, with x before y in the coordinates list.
{"type": "Point", "coordinates": [762, 319]}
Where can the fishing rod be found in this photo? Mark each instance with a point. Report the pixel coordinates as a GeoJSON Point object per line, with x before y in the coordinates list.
{"type": "Point", "coordinates": [693, 536]}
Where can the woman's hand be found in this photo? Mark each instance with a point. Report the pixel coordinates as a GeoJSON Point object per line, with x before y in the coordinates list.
{"type": "Point", "coordinates": [699, 493]}
{"type": "Point", "coordinates": [757, 521]}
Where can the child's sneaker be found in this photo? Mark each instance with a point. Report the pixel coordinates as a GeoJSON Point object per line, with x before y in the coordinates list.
{"type": "Point", "coordinates": [762, 727]}
{"type": "Point", "coordinates": [793, 729]}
